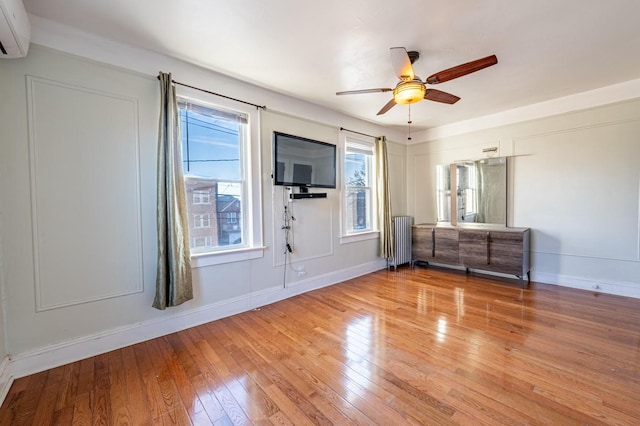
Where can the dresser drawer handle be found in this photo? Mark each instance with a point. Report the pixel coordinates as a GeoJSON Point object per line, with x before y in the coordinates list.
{"type": "Point", "coordinates": [488, 249]}
{"type": "Point", "coordinates": [433, 242]}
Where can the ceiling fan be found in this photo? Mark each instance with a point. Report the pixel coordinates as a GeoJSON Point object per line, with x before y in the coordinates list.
{"type": "Point", "coordinates": [411, 88]}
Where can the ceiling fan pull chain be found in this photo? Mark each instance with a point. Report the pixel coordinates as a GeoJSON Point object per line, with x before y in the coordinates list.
{"type": "Point", "coordinates": [409, 123]}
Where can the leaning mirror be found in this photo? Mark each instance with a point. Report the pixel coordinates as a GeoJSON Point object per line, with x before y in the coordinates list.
{"type": "Point", "coordinates": [480, 191]}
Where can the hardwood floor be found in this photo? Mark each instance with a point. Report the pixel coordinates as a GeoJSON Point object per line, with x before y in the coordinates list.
{"type": "Point", "coordinates": [422, 346]}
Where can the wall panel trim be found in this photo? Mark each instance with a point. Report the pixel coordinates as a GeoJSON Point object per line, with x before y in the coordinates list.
{"type": "Point", "coordinates": [34, 138]}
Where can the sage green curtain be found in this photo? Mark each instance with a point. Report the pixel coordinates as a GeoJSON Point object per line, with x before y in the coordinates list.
{"type": "Point", "coordinates": [173, 280]}
{"type": "Point", "coordinates": [385, 220]}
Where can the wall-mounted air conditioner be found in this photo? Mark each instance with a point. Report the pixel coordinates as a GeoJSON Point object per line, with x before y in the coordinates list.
{"type": "Point", "coordinates": [15, 30]}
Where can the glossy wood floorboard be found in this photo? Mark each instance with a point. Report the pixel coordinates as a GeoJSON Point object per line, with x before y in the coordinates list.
{"type": "Point", "coordinates": [421, 346]}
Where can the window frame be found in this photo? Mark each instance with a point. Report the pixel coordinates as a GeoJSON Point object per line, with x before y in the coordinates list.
{"type": "Point", "coordinates": [347, 235]}
{"type": "Point", "coordinates": [252, 216]}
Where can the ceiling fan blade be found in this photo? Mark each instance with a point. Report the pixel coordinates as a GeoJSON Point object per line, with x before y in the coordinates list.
{"type": "Point", "coordinates": [387, 107]}
{"type": "Point", "coordinates": [401, 64]}
{"type": "Point", "coordinates": [463, 69]}
{"type": "Point", "coordinates": [357, 92]}
{"type": "Point", "coordinates": [440, 96]}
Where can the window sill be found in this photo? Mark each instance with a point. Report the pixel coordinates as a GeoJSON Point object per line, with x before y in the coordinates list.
{"type": "Point", "coordinates": [200, 260]}
{"type": "Point", "coordinates": [362, 236]}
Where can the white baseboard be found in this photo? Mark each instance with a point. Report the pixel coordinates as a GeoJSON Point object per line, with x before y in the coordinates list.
{"type": "Point", "coordinates": [618, 288]}
{"type": "Point", "coordinates": [6, 377]}
{"type": "Point", "coordinates": [52, 356]}
{"type": "Point", "coordinates": [72, 350]}
{"type": "Point", "coordinates": [62, 353]}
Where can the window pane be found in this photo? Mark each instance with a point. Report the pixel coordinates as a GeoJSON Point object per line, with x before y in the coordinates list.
{"type": "Point", "coordinates": [210, 221]}
{"type": "Point", "coordinates": [229, 205]}
{"type": "Point", "coordinates": [357, 170]}
{"type": "Point", "coordinates": [212, 148]}
{"type": "Point", "coordinates": [358, 209]}
{"type": "Point", "coordinates": [359, 215]}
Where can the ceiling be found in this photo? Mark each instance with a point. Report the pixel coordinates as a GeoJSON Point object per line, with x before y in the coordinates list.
{"type": "Point", "coordinates": [546, 48]}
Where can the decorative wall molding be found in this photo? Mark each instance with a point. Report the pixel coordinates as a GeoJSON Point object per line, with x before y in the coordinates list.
{"type": "Point", "coordinates": [42, 167]}
{"type": "Point", "coordinates": [572, 129]}
{"type": "Point", "coordinates": [303, 236]}
{"type": "Point", "coordinates": [556, 143]}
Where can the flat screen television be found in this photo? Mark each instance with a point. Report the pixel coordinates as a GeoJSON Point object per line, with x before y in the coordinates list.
{"type": "Point", "coordinates": [303, 162]}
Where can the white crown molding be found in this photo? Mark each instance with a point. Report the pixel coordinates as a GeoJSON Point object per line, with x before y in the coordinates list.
{"type": "Point", "coordinates": [590, 99]}
{"type": "Point", "coordinates": [81, 43]}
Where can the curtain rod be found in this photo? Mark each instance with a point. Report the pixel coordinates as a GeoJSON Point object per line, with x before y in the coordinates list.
{"type": "Point", "coordinates": [358, 133]}
{"type": "Point", "coordinates": [217, 94]}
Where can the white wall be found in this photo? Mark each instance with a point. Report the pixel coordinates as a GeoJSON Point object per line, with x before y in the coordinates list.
{"type": "Point", "coordinates": [3, 349]}
{"type": "Point", "coordinates": [574, 180]}
{"type": "Point", "coordinates": [3, 290]}
{"type": "Point", "coordinates": [78, 159]}
{"type": "Point", "coordinates": [397, 159]}
{"type": "Point", "coordinates": [6, 376]}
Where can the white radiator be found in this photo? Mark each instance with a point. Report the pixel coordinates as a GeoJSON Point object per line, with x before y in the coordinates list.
{"type": "Point", "coordinates": [401, 240]}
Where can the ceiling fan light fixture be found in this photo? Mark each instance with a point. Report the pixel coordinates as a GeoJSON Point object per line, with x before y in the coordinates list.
{"type": "Point", "coordinates": [411, 89]}
{"type": "Point", "coordinates": [409, 92]}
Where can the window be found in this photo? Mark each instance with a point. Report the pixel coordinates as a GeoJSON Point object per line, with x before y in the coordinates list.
{"type": "Point", "coordinates": [220, 154]}
{"type": "Point", "coordinates": [232, 217]}
{"type": "Point", "coordinates": [202, 220]}
{"type": "Point", "coordinates": [198, 242]}
{"type": "Point", "coordinates": [359, 198]}
{"type": "Point", "coordinates": [201, 197]}
{"type": "Point", "coordinates": [466, 175]}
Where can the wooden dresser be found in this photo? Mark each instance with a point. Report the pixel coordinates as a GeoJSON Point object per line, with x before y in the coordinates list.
{"type": "Point", "coordinates": [478, 247]}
